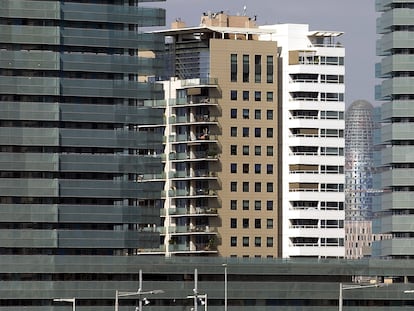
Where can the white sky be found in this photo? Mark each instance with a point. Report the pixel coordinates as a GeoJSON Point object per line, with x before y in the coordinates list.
{"type": "Point", "coordinates": [354, 17]}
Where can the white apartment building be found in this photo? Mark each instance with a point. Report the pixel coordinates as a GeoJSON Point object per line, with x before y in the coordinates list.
{"type": "Point", "coordinates": [312, 96]}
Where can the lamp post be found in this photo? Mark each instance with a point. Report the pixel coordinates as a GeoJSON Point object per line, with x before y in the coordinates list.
{"type": "Point", "coordinates": [139, 293]}
{"type": "Point", "coordinates": [202, 297]}
{"type": "Point", "coordinates": [342, 288]}
{"type": "Point", "coordinates": [72, 300]}
{"type": "Point", "coordinates": [225, 286]}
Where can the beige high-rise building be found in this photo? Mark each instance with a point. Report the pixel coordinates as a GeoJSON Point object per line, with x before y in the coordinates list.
{"type": "Point", "coordinates": [222, 138]}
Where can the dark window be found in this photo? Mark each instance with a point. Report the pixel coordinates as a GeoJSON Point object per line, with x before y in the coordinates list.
{"type": "Point", "coordinates": [233, 131]}
{"type": "Point", "coordinates": [245, 132]}
{"type": "Point", "coordinates": [245, 95]}
{"type": "Point", "coordinates": [233, 113]}
{"type": "Point", "coordinates": [245, 186]}
{"type": "Point", "coordinates": [257, 205]}
{"type": "Point", "coordinates": [257, 150]}
{"type": "Point", "coordinates": [245, 223]}
{"type": "Point", "coordinates": [245, 113]}
{"type": "Point", "coordinates": [269, 168]}
{"type": "Point", "coordinates": [269, 96]}
{"type": "Point", "coordinates": [246, 65]}
{"type": "Point", "coordinates": [269, 69]}
{"type": "Point", "coordinates": [233, 149]}
{"type": "Point", "coordinates": [269, 205]}
{"type": "Point", "coordinates": [233, 223]}
{"type": "Point", "coordinates": [269, 187]}
{"type": "Point", "coordinates": [269, 114]}
{"type": "Point", "coordinates": [233, 186]}
{"type": "Point", "coordinates": [245, 168]}
{"type": "Point", "coordinates": [258, 241]}
{"type": "Point", "coordinates": [269, 242]}
{"type": "Point", "coordinates": [245, 205]}
{"type": "Point", "coordinates": [245, 150]}
{"type": "Point", "coordinates": [257, 114]}
{"type": "Point", "coordinates": [233, 205]}
{"type": "Point", "coordinates": [233, 241]}
{"type": "Point", "coordinates": [245, 241]}
{"type": "Point", "coordinates": [233, 168]}
{"type": "Point", "coordinates": [269, 223]}
{"type": "Point", "coordinates": [257, 96]}
{"type": "Point", "coordinates": [269, 132]}
{"type": "Point", "coordinates": [257, 168]}
{"type": "Point", "coordinates": [257, 187]}
{"type": "Point", "coordinates": [233, 95]}
{"type": "Point", "coordinates": [233, 68]}
{"type": "Point", "coordinates": [257, 132]}
{"type": "Point", "coordinates": [258, 68]}
{"type": "Point", "coordinates": [257, 223]}
{"type": "Point", "coordinates": [269, 151]}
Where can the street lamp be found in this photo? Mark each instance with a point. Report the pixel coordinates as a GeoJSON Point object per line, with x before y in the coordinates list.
{"type": "Point", "coordinates": [225, 286]}
{"type": "Point", "coordinates": [139, 293]}
{"type": "Point", "coordinates": [342, 288]}
{"type": "Point", "coordinates": [72, 300]}
{"type": "Point", "coordinates": [198, 297]}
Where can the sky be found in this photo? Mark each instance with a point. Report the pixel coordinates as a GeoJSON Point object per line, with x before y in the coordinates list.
{"type": "Point", "coordinates": [356, 18]}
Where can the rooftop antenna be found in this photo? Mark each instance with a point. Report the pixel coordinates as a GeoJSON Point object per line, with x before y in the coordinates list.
{"type": "Point", "coordinates": [244, 10]}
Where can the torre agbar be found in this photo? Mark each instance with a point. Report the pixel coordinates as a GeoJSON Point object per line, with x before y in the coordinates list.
{"type": "Point", "coordinates": [79, 170]}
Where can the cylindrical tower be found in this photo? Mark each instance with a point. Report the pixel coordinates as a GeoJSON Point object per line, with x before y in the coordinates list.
{"type": "Point", "coordinates": [359, 165]}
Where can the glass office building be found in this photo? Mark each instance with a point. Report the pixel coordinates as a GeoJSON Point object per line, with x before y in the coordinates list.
{"type": "Point", "coordinates": [80, 163]}
{"type": "Point", "coordinates": [395, 46]}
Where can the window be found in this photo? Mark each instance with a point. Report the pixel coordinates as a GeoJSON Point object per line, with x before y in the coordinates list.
{"type": "Point", "coordinates": [257, 187]}
{"type": "Point", "coordinates": [233, 113]}
{"type": "Point", "coordinates": [257, 114]}
{"type": "Point", "coordinates": [246, 95]}
{"type": "Point", "coordinates": [269, 114]}
{"type": "Point", "coordinates": [245, 186]}
{"type": "Point", "coordinates": [257, 150]}
{"type": "Point", "coordinates": [269, 151]}
{"type": "Point", "coordinates": [258, 68]}
{"type": "Point", "coordinates": [257, 223]}
{"type": "Point", "coordinates": [245, 132]}
{"type": "Point", "coordinates": [269, 168]}
{"type": "Point", "coordinates": [245, 223]}
{"type": "Point", "coordinates": [233, 241]}
{"type": "Point", "coordinates": [269, 187]}
{"type": "Point", "coordinates": [233, 186]}
{"type": "Point", "coordinates": [257, 96]}
{"type": "Point", "coordinates": [245, 168]}
{"type": "Point", "coordinates": [245, 150]}
{"type": "Point", "coordinates": [233, 67]}
{"type": "Point", "coordinates": [246, 205]}
{"type": "Point", "coordinates": [269, 205]}
{"type": "Point", "coordinates": [269, 223]}
{"type": "Point", "coordinates": [245, 241]}
{"type": "Point", "coordinates": [245, 113]}
{"type": "Point", "coordinates": [233, 223]}
{"type": "Point", "coordinates": [269, 69]}
{"type": "Point", "coordinates": [233, 95]}
{"type": "Point", "coordinates": [258, 241]}
{"type": "Point", "coordinates": [269, 132]}
{"type": "Point", "coordinates": [269, 96]}
{"type": "Point", "coordinates": [257, 168]}
{"type": "Point", "coordinates": [257, 132]}
{"type": "Point", "coordinates": [269, 242]}
{"type": "Point", "coordinates": [257, 205]}
{"type": "Point", "coordinates": [233, 168]}
{"type": "Point", "coordinates": [233, 205]}
{"type": "Point", "coordinates": [233, 131]}
{"type": "Point", "coordinates": [246, 65]}
{"type": "Point", "coordinates": [233, 149]}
